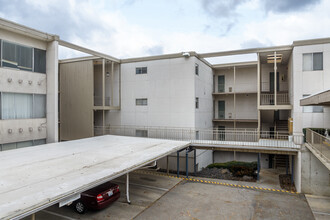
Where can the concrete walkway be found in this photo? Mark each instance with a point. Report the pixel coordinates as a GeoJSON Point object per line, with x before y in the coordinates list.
{"type": "Point", "coordinates": [320, 206]}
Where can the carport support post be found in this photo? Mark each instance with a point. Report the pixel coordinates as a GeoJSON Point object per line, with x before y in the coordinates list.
{"type": "Point", "coordinates": [127, 188]}
{"type": "Point", "coordinates": [178, 162]}
{"type": "Point", "coordinates": [187, 151]}
{"type": "Point", "coordinates": [195, 162]}
{"type": "Point", "coordinates": [292, 167]}
{"type": "Point", "coordinates": [258, 166]}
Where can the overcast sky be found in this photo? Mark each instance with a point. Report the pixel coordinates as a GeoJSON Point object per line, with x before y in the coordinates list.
{"type": "Point", "coordinates": [132, 28]}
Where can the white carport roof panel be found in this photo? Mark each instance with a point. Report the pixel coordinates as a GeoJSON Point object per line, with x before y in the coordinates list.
{"type": "Point", "coordinates": [33, 177]}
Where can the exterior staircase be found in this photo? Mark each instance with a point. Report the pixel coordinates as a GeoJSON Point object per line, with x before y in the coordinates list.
{"type": "Point", "coordinates": [282, 126]}
{"type": "Point", "coordinates": [280, 161]}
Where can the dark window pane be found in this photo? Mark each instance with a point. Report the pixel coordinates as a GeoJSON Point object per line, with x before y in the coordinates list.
{"type": "Point", "coordinates": [39, 61]}
{"type": "Point", "coordinates": [9, 55]}
{"type": "Point", "coordinates": [317, 61]}
{"type": "Point", "coordinates": [144, 69]}
{"type": "Point", "coordinates": [24, 57]}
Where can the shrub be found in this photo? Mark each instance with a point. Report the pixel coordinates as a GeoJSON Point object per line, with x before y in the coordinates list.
{"type": "Point", "coordinates": [237, 168]}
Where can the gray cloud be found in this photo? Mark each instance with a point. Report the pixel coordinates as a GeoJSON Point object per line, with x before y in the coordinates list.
{"type": "Point", "coordinates": [221, 8]}
{"type": "Point", "coordinates": [253, 43]}
{"type": "Point", "coordinates": [288, 5]}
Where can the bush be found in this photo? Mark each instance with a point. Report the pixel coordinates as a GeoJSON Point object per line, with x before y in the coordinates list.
{"type": "Point", "coordinates": [237, 168]}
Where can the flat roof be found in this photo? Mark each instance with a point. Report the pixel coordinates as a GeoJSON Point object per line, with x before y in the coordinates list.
{"type": "Point", "coordinates": [34, 178]}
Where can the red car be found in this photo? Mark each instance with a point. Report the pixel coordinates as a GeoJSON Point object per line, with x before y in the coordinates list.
{"type": "Point", "coordinates": [97, 198]}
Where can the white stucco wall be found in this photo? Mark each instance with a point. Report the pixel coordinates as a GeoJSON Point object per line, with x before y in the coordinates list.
{"type": "Point", "coordinates": [309, 82]}
{"type": "Point", "coordinates": [246, 106]}
{"type": "Point", "coordinates": [246, 79]}
{"type": "Point", "coordinates": [203, 90]}
{"type": "Point", "coordinates": [169, 87]}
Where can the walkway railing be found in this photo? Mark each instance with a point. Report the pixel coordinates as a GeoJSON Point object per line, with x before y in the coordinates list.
{"type": "Point", "coordinates": [268, 99]}
{"type": "Point", "coordinates": [242, 137]}
{"type": "Point", "coordinates": [319, 142]}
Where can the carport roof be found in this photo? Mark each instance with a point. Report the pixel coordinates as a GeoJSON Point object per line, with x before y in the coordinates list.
{"type": "Point", "coordinates": [37, 177]}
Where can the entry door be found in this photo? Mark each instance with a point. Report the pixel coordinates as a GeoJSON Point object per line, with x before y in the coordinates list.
{"type": "Point", "coordinates": [221, 83]}
{"type": "Point", "coordinates": [221, 109]}
{"type": "Point", "coordinates": [271, 82]}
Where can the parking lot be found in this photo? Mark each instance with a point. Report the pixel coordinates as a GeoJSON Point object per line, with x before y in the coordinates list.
{"type": "Point", "coordinates": [161, 197]}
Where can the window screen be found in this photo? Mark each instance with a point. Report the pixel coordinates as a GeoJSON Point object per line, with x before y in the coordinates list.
{"type": "Point", "coordinates": [24, 144]}
{"type": "Point", "coordinates": [39, 60]}
{"type": "Point", "coordinates": [8, 106]}
{"type": "Point", "coordinates": [23, 106]}
{"type": "Point", "coordinates": [39, 106]}
{"type": "Point", "coordinates": [317, 61]}
{"type": "Point", "coordinates": [39, 142]}
{"type": "Point", "coordinates": [9, 55]}
{"type": "Point", "coordinates": [24, 57]}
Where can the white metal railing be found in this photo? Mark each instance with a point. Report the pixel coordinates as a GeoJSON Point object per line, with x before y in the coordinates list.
{"type": "Point", "coordinates": [282, 99]}
{"type": "Point", "coordinates": [319, 142]}
{"type": "Point", "coordinates": [243, 137]}
{"type": "Point", "coordinates": [268, 99]}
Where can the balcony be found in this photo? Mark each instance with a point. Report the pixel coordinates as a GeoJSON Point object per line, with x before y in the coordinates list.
{"type": "Point", "coordinates": [268, 99]}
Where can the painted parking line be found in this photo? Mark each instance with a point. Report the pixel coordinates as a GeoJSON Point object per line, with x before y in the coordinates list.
{"type": "Point", "coordinates": [220, 183]}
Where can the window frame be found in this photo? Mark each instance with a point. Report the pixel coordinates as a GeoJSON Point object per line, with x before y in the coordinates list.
{"type": "Point", "coordinates": [312, 62]}
{"type": "Point", "coordinates": [196, 69]}
{"type": "Point", "coordinates": [141, 101]}
{"type": "Point", "coordinates": [141, 70]}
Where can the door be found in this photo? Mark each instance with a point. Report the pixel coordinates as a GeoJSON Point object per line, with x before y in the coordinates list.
{"type": "Point", "coordinates": [271, 82]}
{"type": "Point", "coordinates": [221, 83]}
{"type": "Point", "coordinates": [221, 109]}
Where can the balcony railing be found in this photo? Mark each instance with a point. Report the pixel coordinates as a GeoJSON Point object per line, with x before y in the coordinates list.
{"type": "Point", "coordinates": [319, 142]}
{"type": "Point", "coordinates": [268, 99]}
{"type": "Point", "coordinates": [98, 101]}
{"type": "Point", "coordinates": [242, 137]}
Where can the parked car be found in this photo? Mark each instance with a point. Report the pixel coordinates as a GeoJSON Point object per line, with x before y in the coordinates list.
{"type": "Point", "coordinates": [97, 198]}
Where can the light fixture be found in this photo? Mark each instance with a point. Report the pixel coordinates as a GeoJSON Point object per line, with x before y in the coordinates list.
{"type": "Point", "coordinates": [107, 74]}
{"type": "Point", "coordinates": [186, 54]}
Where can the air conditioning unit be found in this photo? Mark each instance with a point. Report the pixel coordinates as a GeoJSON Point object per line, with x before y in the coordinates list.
{"type": "Point", "coordinates": [230, 89]}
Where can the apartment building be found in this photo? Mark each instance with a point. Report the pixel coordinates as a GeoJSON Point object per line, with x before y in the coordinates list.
{"type": "Point", "coordinates": [28, 86]}
{"type": "Point", "coordinates": [178, 96]}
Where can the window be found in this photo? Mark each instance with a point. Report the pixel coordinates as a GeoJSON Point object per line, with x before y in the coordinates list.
{"type": "Point", "coordinates": [39, 107]}
{"type": "Point", "coordinates": [39, 60]}
{"type": "Point", "coordinates": [141, 70]}
{"type": "Point", "coordinates": [312, 61]}
{"type": "Point", "coordinates": [16, 56]}
{"type": "Point", "coordinates": [312, 109]}
{"type": "Point", "coordinates": [22, 106]}
{"type": "Point", "coordinates": [11, 146]}
{"type": "Point", "coordinates": [22, 57]}
{"type": "Point", "coordinates": [197, 103]}
{"type": "Point", "coordinates": [196, 69]}
{"type": "Point", "coordinates": [141, 133]}
{"type": "Point", "coordinates": [141, 101]}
